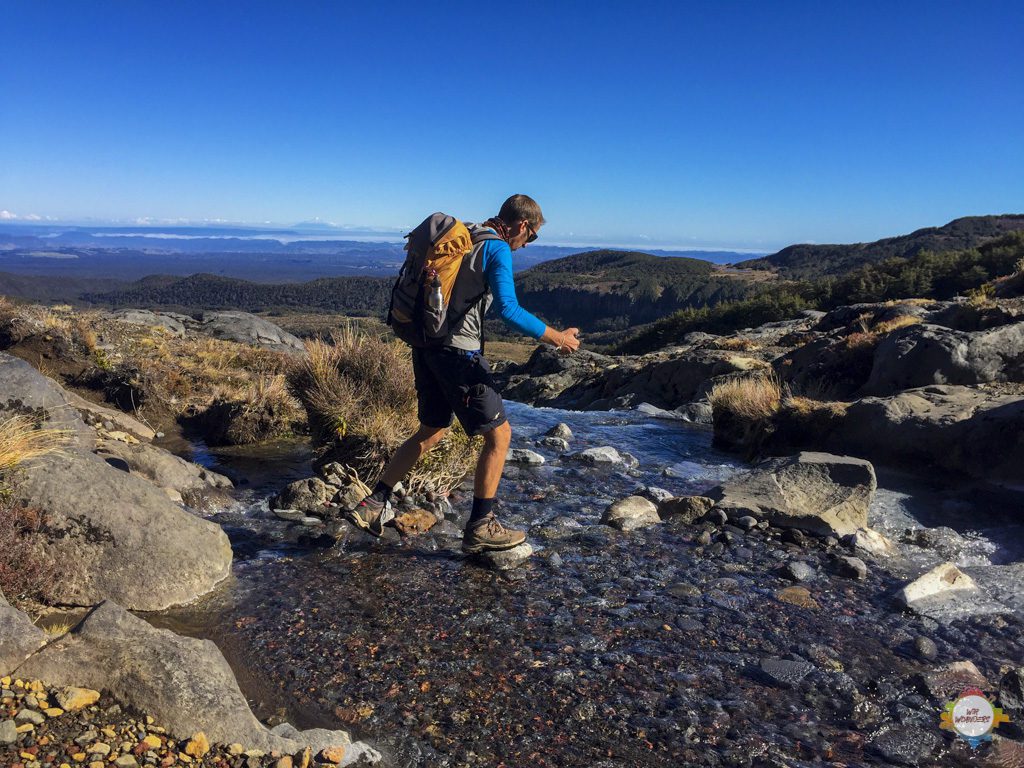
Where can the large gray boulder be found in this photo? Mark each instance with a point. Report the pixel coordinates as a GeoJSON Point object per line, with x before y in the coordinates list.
{"type": "Point", "coordinates": [164, 469]}
{"type": "Point", "coordinates": [151, 320]}
{"type": "Point", "coordinates": [116, 535]}
{"type": "Point", "coordinates": [185, 684]}
{"type": "Point", "coordinates": [921, 355]}
{"type": "Point", "coordinates": [120, 421]}
{"type": "Point", "coordinates": [250, 329]}
{"type": "Point", "coordinates": [19, 637]}
{"type": "Point", "coordinates": [816, 492]}
{"type": "Point", "coordinates": [962, 429]}
{"type": "Point", "coordinates": [112, 534]}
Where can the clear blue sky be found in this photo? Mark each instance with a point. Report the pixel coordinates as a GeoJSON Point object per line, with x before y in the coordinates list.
{"type": "Point", "coordinates": [738, 124]}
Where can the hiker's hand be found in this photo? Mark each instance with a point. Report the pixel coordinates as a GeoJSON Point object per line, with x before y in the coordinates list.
{"type": "Point", "coordinates": [569, 341]}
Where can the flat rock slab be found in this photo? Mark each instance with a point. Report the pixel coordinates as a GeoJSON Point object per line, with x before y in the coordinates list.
{"type": "Point", "coordinates": [19, 637]}
{"type": "Point", "coordinates": [783, 672]}
{"type": "Point", "coordinates": [525, 456]}
{"type": "Point", "coordinates": [815, 492]}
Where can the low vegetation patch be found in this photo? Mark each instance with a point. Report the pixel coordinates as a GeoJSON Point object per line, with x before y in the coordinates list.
{"type": "Point", "coordinates": [23, 571]}
{"type": "Point", "coordinates": [900, 321]}
{"type": "Point", "coordinates": [361, 404]}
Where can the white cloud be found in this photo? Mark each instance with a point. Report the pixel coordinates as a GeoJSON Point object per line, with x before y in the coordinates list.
{"type": "Point", "coordinates": [33, 217]}
{"type": "Point", "coordinates": [7, 216]}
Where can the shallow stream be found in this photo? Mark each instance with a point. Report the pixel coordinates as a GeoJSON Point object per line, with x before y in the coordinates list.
{"type": "Point", "coordinates": [606, 648]}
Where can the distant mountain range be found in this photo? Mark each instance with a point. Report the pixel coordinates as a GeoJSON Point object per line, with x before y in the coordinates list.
{"type": "Point", "coordinates": [811, 261]}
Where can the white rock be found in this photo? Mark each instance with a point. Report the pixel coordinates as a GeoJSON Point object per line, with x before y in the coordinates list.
{"type": "Point", "coordinates": [939, 581]}
{"type": "Point", "coordinates": [525, 456]}
{"type": "Point", "coordinates": [872, 542]}
{"type": "Point", "coordinates": [631, 513]}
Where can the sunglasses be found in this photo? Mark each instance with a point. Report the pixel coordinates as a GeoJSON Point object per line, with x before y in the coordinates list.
{"type": "Point", "coordinates": [533, 232]}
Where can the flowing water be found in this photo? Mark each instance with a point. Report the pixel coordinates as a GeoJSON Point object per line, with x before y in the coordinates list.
{"type": "Point", "coordinates": [606, 648]}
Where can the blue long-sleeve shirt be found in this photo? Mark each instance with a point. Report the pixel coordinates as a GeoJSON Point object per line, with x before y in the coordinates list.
{"type": "Point", "coordinates": [497, 263]}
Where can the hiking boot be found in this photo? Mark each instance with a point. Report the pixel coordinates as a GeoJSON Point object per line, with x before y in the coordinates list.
{"type": "Point", "coordinates": [371, 515]}
{"type": "Point", "coordinates": [488, 535]}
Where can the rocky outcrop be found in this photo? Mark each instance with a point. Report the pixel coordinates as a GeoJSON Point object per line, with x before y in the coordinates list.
{"type": "Point", "coordinates": [250, 329]}
{"type": "Point", "coordinates": [115, 534]}
{"type": "Point", "coordinates": [171, 323]}
{"type": "Point", "coordinates": [815, 492]}
{"type": "Point", "coordinates": [181, 479]}
{"type": "Point", "coordinates": [921, 355]}
{"type": "Point", "coordinates": [184, 683]}
{"type": "Point", "coordinates": [966, 430]}
{"type": "Point", "coordinates": [19, 637]}
{"type": "Point", "coordinates": [109, 418]}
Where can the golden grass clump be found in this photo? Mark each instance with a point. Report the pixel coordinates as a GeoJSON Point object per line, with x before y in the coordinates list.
{"type": "Point", "coordinates": [361, 404]}
{"type": "Point", "coordinates": [900, 321]}
{"type": "Point", "coordinates": [806, 407]}
{"type": "Point", "coordinates": [750, 398]}
{"type": "Point", "coordinates": [21, 440]}
{"type": "Point", "coordinates": [735, 344]}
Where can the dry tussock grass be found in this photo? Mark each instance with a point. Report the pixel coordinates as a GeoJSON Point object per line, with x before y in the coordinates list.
{"type": "Point", "coordinates": [900, 321]}
{"type": "Point", "coordinates": [735, 344]}
{"type": "Point", "coordinates": [806, 407]}
{"type": "Point", "coordinates": [751, 398]}
{"type": "Point", "coordinates": [909, 302]}
{"type": "Point", "coordinates": [361, 404]}
{"type": "Point", "coordinates": [21, 440]}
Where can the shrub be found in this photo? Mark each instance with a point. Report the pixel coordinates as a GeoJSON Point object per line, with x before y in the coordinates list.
{"type": "Point", "coordinates": [749, 398]}
{"type": "Point", "coordinates": [360, 403]}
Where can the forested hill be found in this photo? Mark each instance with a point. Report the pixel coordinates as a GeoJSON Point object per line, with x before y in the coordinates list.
{"type": "Point", "coordinates": [351, 295]}
{"type": "Point", "coordinates": [612, 290]}
{"type": "Point", "coordinates": [808, 261]}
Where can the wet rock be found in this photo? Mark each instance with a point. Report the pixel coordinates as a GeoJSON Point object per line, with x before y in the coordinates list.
{"type": "Point", "coordinates": [655, 494]}
{"type": "Point", "coordinates": [696, 413]}
{"type": "Point", "coordinates": [555, 443]}
{"type": "Point", "coordinates": [797, 596]}
{"type": "Point", "coordinates": [689, 509]}
{"type": "Point", "coordinates": [784, 673]}
{"type": "Point", "coordinates": [525, 456]}
{"type": "Point", "coordinates": [816, 492]}
{"type": "Point", "coordinates": [507, 559]}
{"type": "Point", "coordinates": [631, 513]}
{"type": "Point", "coordinates": [949, 679]}
{"type": "Point", "coordinates": [925, 648]}
{"type": "Point", "coordinates": [1011, 691]}
{"type": "Point", "coordinates": [941, 585]}
{"type": "Point", "coordinates": [414, 522]}
{"type": "Point", "coordinates": [604, 455]}
{"type": "Point", "coordinates": [164, 469]}
{"type": "Point", "coordinates": [561, 431]}
{"type": "Point", "coordinates": [904, 745]}
{"type": "Point", "coordinates": [870, 541]}
{"type": "Point", "coordinates": [310, 496]}
{"type": "Point", "coordinates": [798, 570]}
{"type": "Point", "coordinates": [852, 568]}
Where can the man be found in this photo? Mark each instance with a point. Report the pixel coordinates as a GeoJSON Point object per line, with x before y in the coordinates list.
{"type": "Point", "coordinates": [455, 379]}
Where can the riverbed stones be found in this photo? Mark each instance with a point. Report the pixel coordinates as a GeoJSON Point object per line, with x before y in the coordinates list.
{"type": "Point", "coordinates": [904, 745]}
{"type": "Point", "coordinates": [798, 570]}
{"type": "Point", "coordinates": [925, 648]}
{"type": "Point", "coordinates": [631, 513]}
{"type": "Point", "coordinates": [815, 492]}
{"type": "Point", "coordinates": [941, 585]}
{"type": "Point", "coordinates": [310, 495]}
{"type": "Point", "coordinates": [604, 455]}
{"type": "Point", "coordinates": [688, 509]}
{"type": "Point", "coordinates": [949, 679]}
{"type": "Point", "coordinates": [799, 596]}
{"type": "Point", "coordinates": [525, 456]}
{"type": "Point", "coordinates": [852, 568]}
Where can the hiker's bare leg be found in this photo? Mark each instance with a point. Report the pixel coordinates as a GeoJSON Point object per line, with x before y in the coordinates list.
{"type": "Point", "coordinates": [492, 461]}
{"type": "Point", "coordinates": [409, 453]}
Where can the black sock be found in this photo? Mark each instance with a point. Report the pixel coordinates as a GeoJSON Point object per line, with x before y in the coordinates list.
{"type": "Point", "coordinates": [481, 509]}
{"type": "Point", "coordinates": [381, 492]}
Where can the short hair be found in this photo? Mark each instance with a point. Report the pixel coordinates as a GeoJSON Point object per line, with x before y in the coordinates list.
{"type": "Point", "coordinates": [521, 208]}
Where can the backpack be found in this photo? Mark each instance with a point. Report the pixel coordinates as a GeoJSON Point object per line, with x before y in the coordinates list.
{"type": "Point", "coordinates": [420, 312]}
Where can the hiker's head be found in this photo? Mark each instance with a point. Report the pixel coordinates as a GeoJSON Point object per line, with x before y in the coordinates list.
{"type": "Point", "coordinates": [524, 219]}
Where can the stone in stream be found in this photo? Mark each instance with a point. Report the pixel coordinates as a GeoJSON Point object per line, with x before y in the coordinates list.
{"type": "Point", "coordinates": [925, 648]}
{"type": "Point", "coordinates": [414, 522]}
{"type": "Point", "coordinates": [852, 568]}
{"type": "Point", "coordinates": [604, 455]}
{"type": "Point", "coordinates": [949, 679]}
{"type": "Point", "coordinates": [555, 443]}
{"type": "Point", "coordinates": [525, 456]}
{"type": "Point", "coordinates": [655, 494]}
{"type": "Point", "coordinates": [870, 541]}
{"type": "Point", "coordinates": [784, 673]}
{"type": "Point", "coordinates": [310, 496]}
{"type": "Point", "coordinates": [689, 509]}
{"type": "Point", "coordinates": [631, 513]}
{"type": "Point", "coordinates": [936, 589]}
{"type": "Point", "coordinates": [904, 745]}
{"type": "Point", "coordinates": [798, 570]}
{"type": "Point", "coordinates": [815, 492]}
{"type": "Point", "coordinates": [506, 560]}
{"type": "Point", "coordinates": [561, 431]}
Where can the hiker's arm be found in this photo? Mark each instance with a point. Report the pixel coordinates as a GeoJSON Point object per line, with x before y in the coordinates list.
{"type": "Point", "coordinates": [498, 269]}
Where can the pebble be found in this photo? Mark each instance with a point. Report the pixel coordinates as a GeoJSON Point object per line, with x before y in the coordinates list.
{"type": "Point", "coordinates": [785, 673]}
{"type": "Point", "coordinates": [852, 568]}
{"type": "Point", "coordinates": [8, 732]}
{"type": "Point", "coordinates": [798, 570]}
{"type": "Point", "coordinates": [925, 648]}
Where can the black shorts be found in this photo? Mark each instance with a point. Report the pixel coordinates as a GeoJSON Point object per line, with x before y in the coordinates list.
{"type": "Point", "coordinates": [450, 381]}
